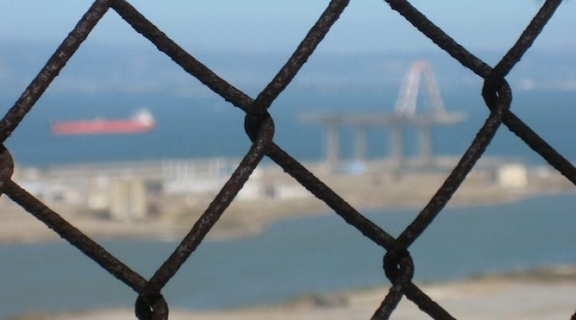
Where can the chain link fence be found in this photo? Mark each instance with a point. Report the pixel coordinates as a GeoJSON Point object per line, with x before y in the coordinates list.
{"type": "Point", "coordinates": [259, 127]}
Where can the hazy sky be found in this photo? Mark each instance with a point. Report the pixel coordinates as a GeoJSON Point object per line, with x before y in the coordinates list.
{"type": "Point", "coordinates": [277, 25]}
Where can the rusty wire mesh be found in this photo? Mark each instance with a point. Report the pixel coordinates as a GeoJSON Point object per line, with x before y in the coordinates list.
{"type": "Point", "coordinates": [259, 126]}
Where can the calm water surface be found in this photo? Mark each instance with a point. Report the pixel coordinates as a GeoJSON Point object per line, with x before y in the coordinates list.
{"type": "Point", "coordinates": [295, 257]}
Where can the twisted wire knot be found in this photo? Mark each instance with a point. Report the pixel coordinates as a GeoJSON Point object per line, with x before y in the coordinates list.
{"type": "Point", "coordinates": [6, 167]}
{"type": "Point", "coordinates": [259, 123]}
{"type": "Point", "coordinates": [496, 89]}
{"type": "Point", "coordinates": [150, 305]}
{"type": "Point", "coordinates": [398, 267]}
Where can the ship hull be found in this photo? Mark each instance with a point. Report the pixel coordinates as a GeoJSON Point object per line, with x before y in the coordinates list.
{"type": "Point", "coordinates": [141, 121]}
{"type": "Point", "coordinates": [100, 127]}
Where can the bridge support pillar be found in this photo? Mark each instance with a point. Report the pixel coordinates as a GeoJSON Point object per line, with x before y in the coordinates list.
{"type": "Point", "coordinates": [425, 144]}
{"type": "Point", "coordinates": [396, 145]}
{"type": "Point", "coordinates": [360, 143]}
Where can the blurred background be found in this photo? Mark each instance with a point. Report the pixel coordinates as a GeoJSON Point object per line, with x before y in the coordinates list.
{"type": "Point", "coordinates": [138, 183]}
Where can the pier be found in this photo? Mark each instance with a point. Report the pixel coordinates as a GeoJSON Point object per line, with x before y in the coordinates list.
{"type": "Point", "coordinates": [403, 117]}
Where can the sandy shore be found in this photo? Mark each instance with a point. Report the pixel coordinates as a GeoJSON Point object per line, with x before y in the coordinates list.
{"type": "Point", "coordinates": [542, 294]}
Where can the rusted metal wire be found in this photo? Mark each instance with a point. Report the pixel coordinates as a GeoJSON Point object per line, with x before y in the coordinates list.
{"type": "Point", "coordinates": [265, 132]}
{"type": "Point", "coordinates": [399, 268]}
{"type": "Point", "coordinates": [75, 236]}
{"type": "Point", "coordinates": [259, 126]}
{"type": "Point", "coordinates": [180, 56]}
{"type": "Point", "coordinates": [6, 168]}
{"type": "Point", "coordinates": [466, 163]}
{"type": "Point", "coordinates": [52, 68]}
{"type": "Point", "coordinates": [301, 55]}
{"type": "Point", "coordinates": [333, 200]}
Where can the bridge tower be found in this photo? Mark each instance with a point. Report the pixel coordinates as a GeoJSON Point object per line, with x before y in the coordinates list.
{"type": "Point", "coordinates": [405, 111]}
{"type": "Point", "coordinates": [403, 116]}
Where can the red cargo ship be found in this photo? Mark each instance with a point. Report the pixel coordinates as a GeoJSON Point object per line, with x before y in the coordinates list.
{"type": "Point", "coordinates": [141, 121]}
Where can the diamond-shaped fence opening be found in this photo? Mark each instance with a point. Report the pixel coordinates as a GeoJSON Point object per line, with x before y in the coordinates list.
{"type": "Point", "coordinates": [259, 126]}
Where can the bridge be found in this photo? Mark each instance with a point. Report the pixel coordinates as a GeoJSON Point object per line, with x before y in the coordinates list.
{"type": "Point", "coordinates": [403, 116]}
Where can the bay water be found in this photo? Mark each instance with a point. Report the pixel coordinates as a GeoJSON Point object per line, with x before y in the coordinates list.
{"type": "Point", "coordinates": [207, 126]}
{"type": "Point", "coordinates": [294, 257]}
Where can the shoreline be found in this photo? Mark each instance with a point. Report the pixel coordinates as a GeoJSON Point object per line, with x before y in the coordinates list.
{"type": "Point", "coordinates": [542, 293]}
{"type": "Point", "coordinates": [271, 195]}
{"type": "Point", "coordinates": [239, 220]}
